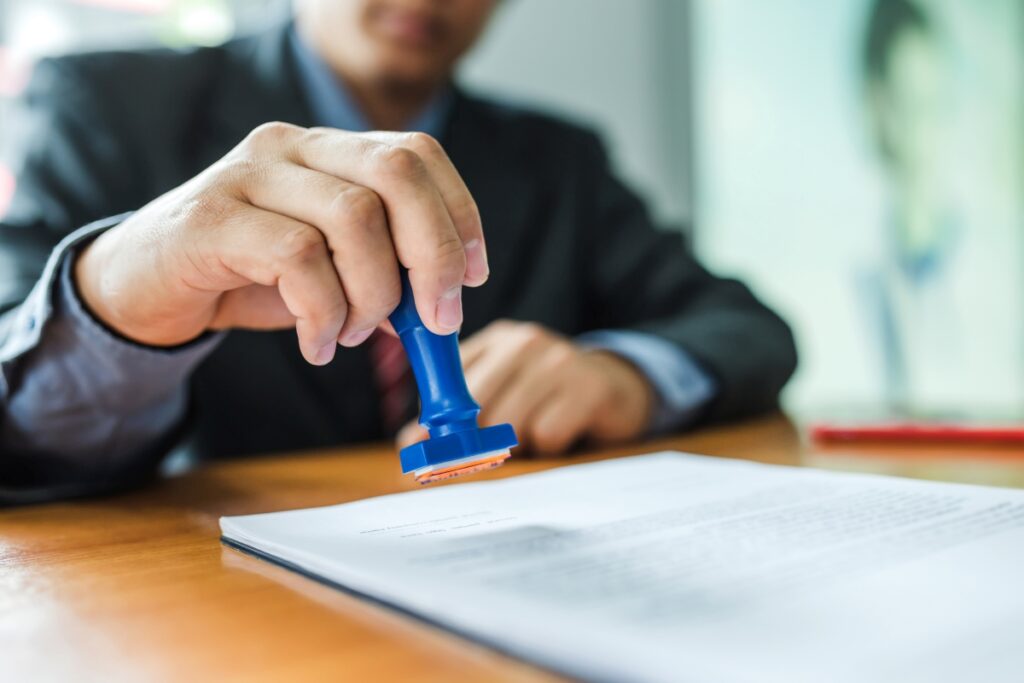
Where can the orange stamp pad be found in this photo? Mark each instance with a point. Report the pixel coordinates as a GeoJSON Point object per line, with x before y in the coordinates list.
{"type": "Point", "coordinates": [430, 474]}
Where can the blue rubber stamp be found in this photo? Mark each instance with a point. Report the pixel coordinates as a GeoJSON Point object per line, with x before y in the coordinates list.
{"type": "Point", "coordinates": [457, 444]}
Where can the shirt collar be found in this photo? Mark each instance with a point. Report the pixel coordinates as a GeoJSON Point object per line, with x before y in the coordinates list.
{"type": "Point", "coordinates": [332, 105]}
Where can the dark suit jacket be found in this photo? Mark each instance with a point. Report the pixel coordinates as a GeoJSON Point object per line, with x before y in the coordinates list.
{"type": "Point", "coordinates": [570, 246]}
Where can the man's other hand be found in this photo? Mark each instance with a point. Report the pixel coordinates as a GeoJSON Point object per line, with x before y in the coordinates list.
{"type": "Point", "coordinates": [553, 392]}
{"type": "Point", "coordinates": [295, 227]}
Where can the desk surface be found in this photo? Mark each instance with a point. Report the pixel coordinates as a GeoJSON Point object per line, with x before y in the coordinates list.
{"type": "Point", "coordinates": [137, 587]}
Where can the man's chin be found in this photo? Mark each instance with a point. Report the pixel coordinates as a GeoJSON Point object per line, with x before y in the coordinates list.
{"type": "Point", "coordinates": [397, 77]}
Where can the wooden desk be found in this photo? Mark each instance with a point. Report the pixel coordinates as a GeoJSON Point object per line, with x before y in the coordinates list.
{"type": "Point", "coordinates": [137, 587]}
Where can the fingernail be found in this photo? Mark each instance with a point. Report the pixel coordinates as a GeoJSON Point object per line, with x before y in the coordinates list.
{"type": "Point", "coordinates": [356, 338]}
{"type": "Point", "coordinates": [449, 309]}
{"type": "Point", "coordinates": [326, 354]}
{"type": "Point", "coordinates": [477, 269]}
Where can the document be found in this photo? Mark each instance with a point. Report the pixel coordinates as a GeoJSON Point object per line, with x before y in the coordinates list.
{"type": "Point", "coordinates": [676, 567]}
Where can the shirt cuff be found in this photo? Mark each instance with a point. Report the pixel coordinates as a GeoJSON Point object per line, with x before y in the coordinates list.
{"type": "Point", "coordinates": [681, 386]}
{"type": "Point", "coordinates": [23, 326]}
{"type": "Point", "coordinates": [137, 374]}
{"type": "Point", "coordinates": [76, 390]}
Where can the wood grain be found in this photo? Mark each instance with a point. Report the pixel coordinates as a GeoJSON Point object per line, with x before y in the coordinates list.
{"type": "Point", "coordinates": [137, 587]}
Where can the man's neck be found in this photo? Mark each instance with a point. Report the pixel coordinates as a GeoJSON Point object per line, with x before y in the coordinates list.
{"type": "Point", "coordinates": [372, 102]}
{"type": "Point", "coordinates": [389, 106]}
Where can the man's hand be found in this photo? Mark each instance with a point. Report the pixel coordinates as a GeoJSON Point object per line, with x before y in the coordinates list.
{"type": "Point", "coordinates": [293, 228]}
{"type": "Point", "coordinates": [553, 392]}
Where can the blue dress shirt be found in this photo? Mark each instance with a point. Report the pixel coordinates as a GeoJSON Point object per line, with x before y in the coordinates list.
{"type": "Point", "coordinates": [85, 394]}
{"type": "Point", "coordinates": [681, 386]}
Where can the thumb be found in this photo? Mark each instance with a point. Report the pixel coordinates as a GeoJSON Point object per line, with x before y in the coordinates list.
{"type": "Point", "coordinates": [254, 307]}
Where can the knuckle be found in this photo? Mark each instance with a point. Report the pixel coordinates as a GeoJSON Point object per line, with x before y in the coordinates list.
{"type": "Point", "coordinates": [271, 134]}
{"type": "Point", "coordinates": [400, 162]}
{"type": "Point", "coordinates": [376, 302]}
{"type": "Point", "coordinates": [244, 171]}
{"type": "Point", "coordinates": [422, 143]}
{"type": "Point", "coordinates": [449, 262]}
{"type": "Point", "coordinates": [301, 244]}
{"type": "Point", "coordinates": [532, 333]}
{"type": "Point", "coordinates": [561, 355]}
{"type": "Point", "coordinates": [451, 252]}
{"type": "Point", "coordinates": [465, 212]}
{"type": "Point", "coordinates": [548, 439]}
{"type": "Point", "coordinates": [358, 206]}
{"type": "Point", "coordinates": [333, 313]}
{"type": "Point", "coordinates": [503, 325]}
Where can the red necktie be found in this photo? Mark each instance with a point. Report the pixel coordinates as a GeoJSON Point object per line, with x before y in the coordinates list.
{"type": "Point", "coordinates": [394, 380]}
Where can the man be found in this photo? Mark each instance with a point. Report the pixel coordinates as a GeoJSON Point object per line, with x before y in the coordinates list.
{"type": "Point", "coordinates": [114, 343]}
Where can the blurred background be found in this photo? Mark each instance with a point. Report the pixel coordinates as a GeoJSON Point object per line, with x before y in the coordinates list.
{"type": "Point", "coordinates": [859, 162]}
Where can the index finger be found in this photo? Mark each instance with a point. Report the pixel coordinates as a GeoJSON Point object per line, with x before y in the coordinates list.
{"type": "Point", "coordinates": [461, 206]}
{"type": "Point", "coordinates": [426, 241]}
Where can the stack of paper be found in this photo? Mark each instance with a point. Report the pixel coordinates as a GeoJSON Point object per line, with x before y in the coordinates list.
{"type": "Point", "coordinates": [674, 567]}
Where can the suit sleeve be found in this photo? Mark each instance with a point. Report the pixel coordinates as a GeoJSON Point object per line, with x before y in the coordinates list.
{"type": "Point", "coordinates": [81, 410]}
{"type": "Point", "coordinates": [645, 279]}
